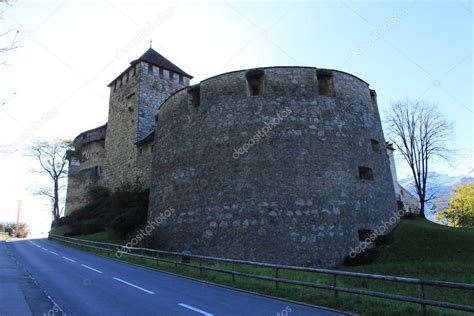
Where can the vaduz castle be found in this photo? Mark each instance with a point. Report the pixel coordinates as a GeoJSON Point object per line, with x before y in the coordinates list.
{"type": "Point", "coordinates": [278, 164]}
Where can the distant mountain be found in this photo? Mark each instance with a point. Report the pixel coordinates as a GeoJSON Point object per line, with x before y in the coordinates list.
{"type": "Point", "coordinates": [440, 186]}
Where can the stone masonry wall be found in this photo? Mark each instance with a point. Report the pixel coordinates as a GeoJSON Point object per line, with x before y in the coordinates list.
{"type": "Point", "coordinates": [246, 187]}
{"type": "Point", "coordinates": [153, 91]}
{"type": "Point", "coordinates": [145, 158]}
{"type": "Point", "coordinates": [84, 171]}
{"type": "Point", "coordinates": [121, 152]}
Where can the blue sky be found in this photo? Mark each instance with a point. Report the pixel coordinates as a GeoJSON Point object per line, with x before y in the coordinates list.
{"type": "Point", "coordinates": [69, 51]}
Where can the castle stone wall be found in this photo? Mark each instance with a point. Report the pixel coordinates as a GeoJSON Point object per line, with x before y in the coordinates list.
{"type": "Point", "coordinates": [85, 168]}
{"type": "Point", "coordinates": [145, 158]}
{"type": "Point", "coordinates": [153, 91]}
{"type": "Point", "coordinates": [121, 153]}
{"type": "Point", "coordinates": [273, 177]}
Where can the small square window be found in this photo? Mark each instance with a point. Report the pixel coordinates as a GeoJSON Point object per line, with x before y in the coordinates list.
{"type": "Point", "coordinates": [171, 77]}
{"type": "Point", "coordinates": [150, 69]}
{"type": "Point", "coordinates": [195, 95]}
{"type": "Point", "coordinates": [364, 234]}
{"type": "Point", "coordinates": [255, 82]}
{"type": "Point", "coordinates": [160, 73]}
{"type": "Point", "coordinates": [181, 79]}
{"type": "Point", "coordinates": [375, 146]}
{"type": "Point", "coordinates": [373, 100]}
{"type": "Point", "coordinates": [325, 83]}
{"type": "Point", "coordinates": [366, 173]}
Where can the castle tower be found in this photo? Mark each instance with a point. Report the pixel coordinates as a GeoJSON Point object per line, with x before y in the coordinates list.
{"type": "Point", "coordinates": [135, 97]}
{"type": "Point", "coordinates": [278, 164]}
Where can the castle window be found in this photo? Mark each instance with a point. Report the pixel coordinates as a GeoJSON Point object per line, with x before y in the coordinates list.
{"type": "Point", "coordinates": [133, 71]}
{"type": "Point", "coordinates": [160, 73]}
{"type": "Point", "coordinates": [171, 77]}
{"type": "Point", "coordinates": [181, 79]}
{"type": "Point", "coordinates": [325, 83]}
{"type": "Point", "coordinates": [151, 148]}
{"type": "Point", "coordinates": [366, 173]}
{"type": "Point", "coordinates": [115, 86]}
{"type": "Point", "coordinates": [365, 234]}
{"type": "Point", "coordinates": [126, 77]}
{"type": "Point", "coordinates": [150, 69]}
{"type": "Point", "coordinates": [255, 82]}
{"type": "Point", "coordinates": [195, 95]}
{"type": "Point", "coordinates": [375, 146]}
{"type": "Point", "coordinates": [373, 100]}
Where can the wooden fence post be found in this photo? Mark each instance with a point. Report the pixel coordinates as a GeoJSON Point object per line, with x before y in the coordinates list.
{"type": "Point", "coordinates": [200, 266]}
{"type": "Point", "coordinates": [233, 270]}
{"type": "Point", "coordinates": [334, 283]}
{"type": "Point", "coordinates": [422, 296]}
{"type": "Point", "coordinates": [277, 276]}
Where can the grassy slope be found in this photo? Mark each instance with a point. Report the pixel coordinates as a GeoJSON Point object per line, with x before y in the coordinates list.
{"type": "Point", "coordinates": [421, 250]}
{"type": "Point", "coordinates": [426, 250]}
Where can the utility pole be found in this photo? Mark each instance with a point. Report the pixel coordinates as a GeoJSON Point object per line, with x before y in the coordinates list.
{"type": "Point", "coordinates": [18, 218]}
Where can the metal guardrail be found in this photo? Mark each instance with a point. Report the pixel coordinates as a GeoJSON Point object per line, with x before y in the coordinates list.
{"type": "Point", "coordinates": [186, 261]}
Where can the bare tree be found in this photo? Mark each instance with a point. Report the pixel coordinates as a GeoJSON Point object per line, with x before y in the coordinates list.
{"type": "Point", "coordinates": [51, 156]}
{"type": "Point", "coordinates": [9, 38]}
{"type": "Point", "coordinates": [421, 134]}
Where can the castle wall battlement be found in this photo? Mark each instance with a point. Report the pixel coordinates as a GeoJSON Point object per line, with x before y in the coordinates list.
{"type": "Point", "coordinates": [279, 164]}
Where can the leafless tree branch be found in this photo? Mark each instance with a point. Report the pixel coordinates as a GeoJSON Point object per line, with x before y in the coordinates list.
{"type": "Point", "coordinates": [421, 134]}
{"type": "Point", "coordinates": [52, 160]}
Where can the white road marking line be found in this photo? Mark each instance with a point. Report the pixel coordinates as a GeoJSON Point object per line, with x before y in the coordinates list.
{"type": "Point", "coordinates": [44, 249]}
{"type": "Point", "coordinates": [68, 259]}
{"type": "Point", "coordinates": [133, 285]}
{"type": "Point", "coordinates": [195, 309]}
{"type": "Point", "coordinates": [90, 268]}
{"type": "Point", "coordinates": [54, 253]}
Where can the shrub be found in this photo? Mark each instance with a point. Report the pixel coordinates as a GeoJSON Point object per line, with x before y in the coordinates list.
{"type": "Point", "coordinates": [122, 211]}
{"type": "Point", "coordinates": [10, 229]}
{"type": "Point", "coordinates": [91, 227]}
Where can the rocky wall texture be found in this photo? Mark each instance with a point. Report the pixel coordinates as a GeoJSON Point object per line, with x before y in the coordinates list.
{"type": "Point", "coordinates": [120, 165]}
{"type": "Point", "coordinates": [274, 177]}
{"type": "Point", "coordinates": [153, 91]}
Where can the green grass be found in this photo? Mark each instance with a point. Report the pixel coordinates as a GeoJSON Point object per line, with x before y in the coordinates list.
{"type": "Point", "coordinates": [61, 230]}
{"type": "Point", "coordinates": [421, 250]}
{"type": "Point", "coordinates": [4, 236]}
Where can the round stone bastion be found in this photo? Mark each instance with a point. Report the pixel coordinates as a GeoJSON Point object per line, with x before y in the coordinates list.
{"type": "Point", "coordinates": [282, 164]}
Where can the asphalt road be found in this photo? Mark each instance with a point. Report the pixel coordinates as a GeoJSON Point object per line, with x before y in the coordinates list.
{"type": "Point", "coordinates": [85, 284]}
